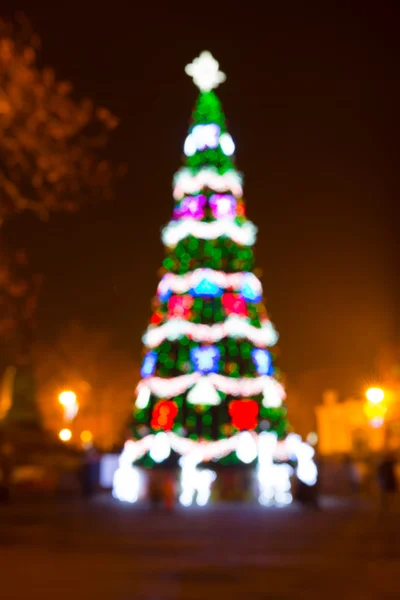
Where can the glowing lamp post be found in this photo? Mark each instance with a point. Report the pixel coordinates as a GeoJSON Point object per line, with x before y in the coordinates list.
{"type": "Point", "coordinates": [65, 435]}
{"type": "Point", "coordinates": [375, 407]}
{"type": "Point", "coordinates": [86, 439]}
{"type": "Point", "coordinates": [70, 404]}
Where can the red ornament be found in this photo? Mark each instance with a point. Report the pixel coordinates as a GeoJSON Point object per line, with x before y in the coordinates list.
{"type": "Point", "coordinates": [240, 210]}
{"type": "Point", "coordinates": [234, 304]}
{"type": "Point", "coordinates": [156, 318]}
{"type": "Point", "coordinates": [244, 414]}
{"type": "Point", "coordinates": [164, 413]}
{"type": "Point", "coordinates": [179, 306]}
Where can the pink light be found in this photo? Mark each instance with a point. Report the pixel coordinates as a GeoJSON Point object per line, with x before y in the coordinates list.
{"type": "Point", "coordinates": [223, 206]}
{"type": "Point", "coordinates": [191, 207]}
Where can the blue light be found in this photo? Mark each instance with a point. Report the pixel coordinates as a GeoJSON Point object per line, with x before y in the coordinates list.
{"type": "Point", "coordinates": [250, 289]}
{"type": "Point", "coordinates": [262, 360]}
{"type": "Point", "coordinates": [205, 358]}
{"type": "Point", "coordinates": [149, 364]}
{"type": "Point", "coordinates": [206, 288]}
{"type": "Point", "coordinates": [164, 290]}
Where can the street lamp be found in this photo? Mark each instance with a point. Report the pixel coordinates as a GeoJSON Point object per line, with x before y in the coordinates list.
{"type": "Point", "coordinates": [86, 439]}
{"type": "Point", "coordinates": [375, 395]}
{"type": "Point", "coordinates": [65, 435]}
{"type": "Point", "coordinates": [375, 408]}
{"type": "Point", "coordinates": [68, 400]}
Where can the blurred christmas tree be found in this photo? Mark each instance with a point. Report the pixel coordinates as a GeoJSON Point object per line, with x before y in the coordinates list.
{"type": "Point", "coordinates": [207, 372]}
{"type": "Point", "coordinates": [209, 389]}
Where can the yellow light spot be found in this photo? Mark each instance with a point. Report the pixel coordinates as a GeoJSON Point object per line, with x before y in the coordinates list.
{"type": "Point", "coordinates": [86, 436]}
{"type": "Point", "coordinates": [375, 395]}
{"type": "Point", "coordinates": [65, 435]}
{"type": "Point", "coordinates": [67, 398]}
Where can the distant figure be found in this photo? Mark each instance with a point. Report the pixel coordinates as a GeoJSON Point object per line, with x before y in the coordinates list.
{"type": "Point", "coordinates": [6, 469]}
{"type": "Point", "coordinates": [360, 475]}
{"type": "Point", "coordinates": [89, 468]}
{"type": "Point", "coordinates": [155, 491]}
{"type": "Point", "coordinates": [387, 480]}
{"type": "Point", "coordinates": [307, 495]}
{"type": "Point", "coordinates": [169, 492]}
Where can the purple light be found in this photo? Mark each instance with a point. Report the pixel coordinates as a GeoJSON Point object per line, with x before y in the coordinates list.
{"type": "Point", "coordinates": [223, 206]}
{"type": "Point", "coordinates": [191, 207]}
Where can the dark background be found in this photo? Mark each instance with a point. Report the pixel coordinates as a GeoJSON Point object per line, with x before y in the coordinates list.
{"type": "Point", "coordinates": [311, 99]}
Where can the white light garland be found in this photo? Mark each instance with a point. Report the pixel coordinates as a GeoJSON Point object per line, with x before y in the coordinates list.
{"type": "Point", "coordinates": [143, 397]}
{"type": "Point", "coordinates": [175, 231]}
{"type": "Point", "coordinates": [204, 392]}
{"type": "Point", "coordinates": [273, 393]}
{"type": "Point", "coordinates": [180, 284]}
{"type": "Point", "coordinates": [245, 386]}
{"type": "Point", "coordinates": [208, 136]}
{"type": "Point", "coordinates": [227, 144]}
{"type": "Point", "coordinates": [187, 182]}
{"type": "Point", "coordinates": [201, 137]}
{"type": "Point", "coordinates": [236, 327]}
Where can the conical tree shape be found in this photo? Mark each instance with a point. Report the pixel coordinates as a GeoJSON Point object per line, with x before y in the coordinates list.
{"type": "Point", "coordinates": [207, 370]}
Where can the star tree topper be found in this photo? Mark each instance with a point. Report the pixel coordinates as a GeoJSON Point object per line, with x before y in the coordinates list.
{"type": "Point", "coordinates": [205, 72]}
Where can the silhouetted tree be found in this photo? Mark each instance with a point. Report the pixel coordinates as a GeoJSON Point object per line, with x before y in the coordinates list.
{"type": "Point", "coordinates": [51, 159]}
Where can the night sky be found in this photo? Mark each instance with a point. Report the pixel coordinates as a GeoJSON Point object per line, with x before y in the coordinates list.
{"type": "Point", "coordinates": [311, 100]}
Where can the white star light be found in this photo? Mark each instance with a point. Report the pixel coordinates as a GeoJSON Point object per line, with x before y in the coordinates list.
{"type": "Point", "coordinates": [205, 72]}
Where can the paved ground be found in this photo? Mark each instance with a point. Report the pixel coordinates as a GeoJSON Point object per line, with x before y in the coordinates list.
{"type": "Point", "coordinates": [103, 550]}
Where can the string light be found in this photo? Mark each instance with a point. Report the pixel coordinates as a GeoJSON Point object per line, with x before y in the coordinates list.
{"type": "Point", "coordinates": [143, 397]}
{"type": "Point", "coordinates": [245, 386]}
{"type": "Point", "coordinates": [273, 393]}
{"type": "Point", "coordinates": [188, 182]}
{"type": "Point", "coordinates": [227, 144]}
{"type": "Point", "coordinates": [204, 393]}
{"type": "Point", "coordinates": [205, 287]}
{"type": "Point", "coordinates": [201, 137]}
{"type": "Point", "coordinates": [234, 326]}
{"type": "Point", "coordinates": [249, 288]}
{"type": "Point", "coordinates": [180, 284]}
{"type": "Point", "coordinates": [175, 231]}
{"type": "Point", "coordinates": [189, 146]}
